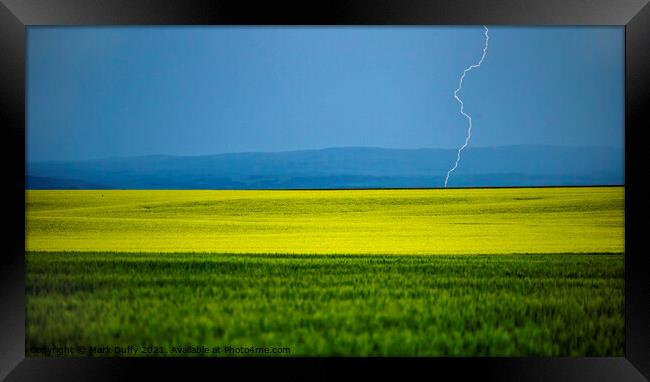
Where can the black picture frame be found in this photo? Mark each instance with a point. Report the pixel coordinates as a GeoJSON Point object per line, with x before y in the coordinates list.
{"type": "Point", "coordinates": [16, 15]}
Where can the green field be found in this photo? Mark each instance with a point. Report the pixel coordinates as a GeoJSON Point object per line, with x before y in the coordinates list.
{"type": "Point", "coordinates": [377, 272]}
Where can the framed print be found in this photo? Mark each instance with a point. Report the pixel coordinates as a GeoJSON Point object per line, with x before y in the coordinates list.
{"type": "Point", "coordinates": [324, 187]}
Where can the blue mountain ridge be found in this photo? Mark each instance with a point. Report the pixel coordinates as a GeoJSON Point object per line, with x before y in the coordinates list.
{"type": "Point", "coordinates": [345, 167]}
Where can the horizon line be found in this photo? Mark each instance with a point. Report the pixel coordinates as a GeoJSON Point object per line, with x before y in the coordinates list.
{"type": "Point", "coordinates": [328, 189]}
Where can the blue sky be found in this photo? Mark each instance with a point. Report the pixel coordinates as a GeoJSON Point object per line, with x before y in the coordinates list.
{"type": "Point", "coordinates": [128, 91]}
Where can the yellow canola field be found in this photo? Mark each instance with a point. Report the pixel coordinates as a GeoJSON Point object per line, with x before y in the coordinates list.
{"type": "Point", "coordinates": [444, 221]}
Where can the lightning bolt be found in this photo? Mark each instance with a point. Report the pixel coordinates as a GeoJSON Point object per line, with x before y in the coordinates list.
{"type": "Point", "coordinates": [462, 106]}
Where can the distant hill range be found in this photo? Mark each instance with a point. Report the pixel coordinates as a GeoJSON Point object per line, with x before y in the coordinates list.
{"type": "Point", "coordinates": [348, 167]}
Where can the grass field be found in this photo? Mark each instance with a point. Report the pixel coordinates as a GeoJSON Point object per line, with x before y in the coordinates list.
{"type": "Point", "coordinates": [391, 272]}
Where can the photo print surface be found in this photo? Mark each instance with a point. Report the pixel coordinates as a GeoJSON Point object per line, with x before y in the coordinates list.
{"type": "Point", "coordinates": [357, 191]}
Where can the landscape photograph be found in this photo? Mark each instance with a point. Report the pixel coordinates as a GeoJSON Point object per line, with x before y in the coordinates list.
{"type": "Point", "coordinates": [240, 191]}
